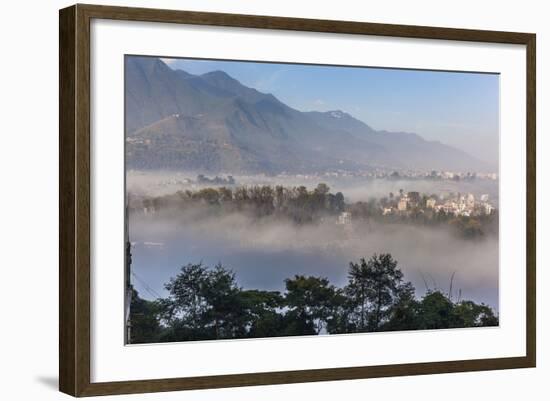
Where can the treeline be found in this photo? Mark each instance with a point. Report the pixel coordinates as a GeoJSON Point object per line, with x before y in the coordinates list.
{"type": "Point", "coordinates": [302, 206]}
{"type": "Point", "coordinates": [295, 203]}
{"type": "Point", "coordinates": [206, 303]}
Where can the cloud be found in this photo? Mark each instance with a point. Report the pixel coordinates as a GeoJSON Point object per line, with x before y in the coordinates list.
{"type": "Point", "coordinates": [264, 253]}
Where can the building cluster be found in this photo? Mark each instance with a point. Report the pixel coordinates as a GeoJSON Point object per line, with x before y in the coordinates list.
{"type": "Point", "coordinates": [466, 205]}
{"type": "Point", "coordinates": [455, 204]}
{"type": "Point", "coordinates": [384, 173]}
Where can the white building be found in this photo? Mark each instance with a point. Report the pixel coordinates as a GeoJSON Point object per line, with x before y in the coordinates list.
{"type": "Point", "coordinates": [470, 200]}
{"type": "Point", "coordinates": [344, 218]}
{"type": "Point", "coordinates": [402, 204]}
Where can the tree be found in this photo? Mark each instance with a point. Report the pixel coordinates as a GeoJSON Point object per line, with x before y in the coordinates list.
{"type": "Point", "coordinates": [225, 194]}
{"type": "Point", "coordinates": [373, 288]}
{"type": "Point", "coordinates": [470, 314]}
{"type": "Point", "coordinates": [436, 311]}
{"type": "Point", "coordinates": [241, 197]}
{"type": "Point", "coordinates": [203, 303]}
{"type": "Point", "coordinates": [224, 311]}
{"type": "Point", "coordinates": [263, 199]}
{"type": "Point", "coordinates": [144, 320]}
{"type": "Point", "coordinates": [340, 204]}
{"type": "Point", "coordinates": [336, 202]}
{"type": "Point", "coordinates": [206, 303]}
{"type": "Point", "coordinates": [279, 196]}
{"type": "Point", "coordinates": [403, 314]}
{"type": "Point", "coordinates": [340, 319]}
{"type": "Point", "coordinates": [467, 227]}
{"type": "Point", "coordinates": [322, 189]}
{"type": "Point", "coordinates": [310, 301]}
{"type": "Point", "coordinates": [262, 312]}
{"type": "Point", "coordinates": [186, 306]}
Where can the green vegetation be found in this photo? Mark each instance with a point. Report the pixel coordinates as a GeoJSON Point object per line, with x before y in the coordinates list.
{"type": "Point", "coordinates": [303, 206]}
{"type": "Point", "coordinates": [206, 303]}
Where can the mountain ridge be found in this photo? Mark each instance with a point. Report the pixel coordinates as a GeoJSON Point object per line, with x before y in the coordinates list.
{"type": "Point", "coordinates": [213, 123]}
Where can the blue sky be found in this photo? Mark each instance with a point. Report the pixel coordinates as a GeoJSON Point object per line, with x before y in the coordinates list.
{"type": "Point", "coordinates": [458, 109]}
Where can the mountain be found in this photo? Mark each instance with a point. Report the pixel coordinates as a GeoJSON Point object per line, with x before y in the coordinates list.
{"type": "Point", "coordinates": [405, 150]}
{"type": "Point", "coordinates": [213, 123]}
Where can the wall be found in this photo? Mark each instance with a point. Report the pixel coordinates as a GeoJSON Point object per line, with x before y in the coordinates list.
{"type": "Point", "coordinates": [28, 225]}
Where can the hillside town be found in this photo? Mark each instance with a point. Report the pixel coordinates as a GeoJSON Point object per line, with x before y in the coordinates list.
{"type": "Point", "coordinates": [382, 173]}
{"type": "Point", "coordinates": [466, 215]}
{"type": "Point", "coordinates": [456, 204]}
{"type": "Point", "coordinates": [407, 204]}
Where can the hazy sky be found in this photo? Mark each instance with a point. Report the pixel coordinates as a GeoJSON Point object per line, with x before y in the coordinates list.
{"type": "Point", "coordinates": [458, 109]}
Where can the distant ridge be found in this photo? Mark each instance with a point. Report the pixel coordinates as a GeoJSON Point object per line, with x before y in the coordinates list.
{"type": "Point", "coordinates": [213, 123]}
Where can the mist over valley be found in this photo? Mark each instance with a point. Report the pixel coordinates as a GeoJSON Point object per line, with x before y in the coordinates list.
{"type": "Point", "coordinates": [263, 252]}
{"type": "Point", "coordinates": [249, 218]}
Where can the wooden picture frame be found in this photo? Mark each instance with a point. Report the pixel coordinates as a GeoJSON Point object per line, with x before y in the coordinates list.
{"type": "Point", "coordinates": [74, 199]}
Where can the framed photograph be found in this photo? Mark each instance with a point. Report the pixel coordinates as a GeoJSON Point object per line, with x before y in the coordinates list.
{"type": "Point", "coordinates": [249, 200]}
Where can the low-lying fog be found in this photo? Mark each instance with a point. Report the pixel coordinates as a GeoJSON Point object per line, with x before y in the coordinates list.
{"type": "Point", "coordinates": [263, 254]}
{"type": "Point", "coordinates": [354, 188]}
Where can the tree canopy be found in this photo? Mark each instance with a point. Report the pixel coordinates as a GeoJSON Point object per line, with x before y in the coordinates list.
{"type": "Point", "coordinates": [206, 303]}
